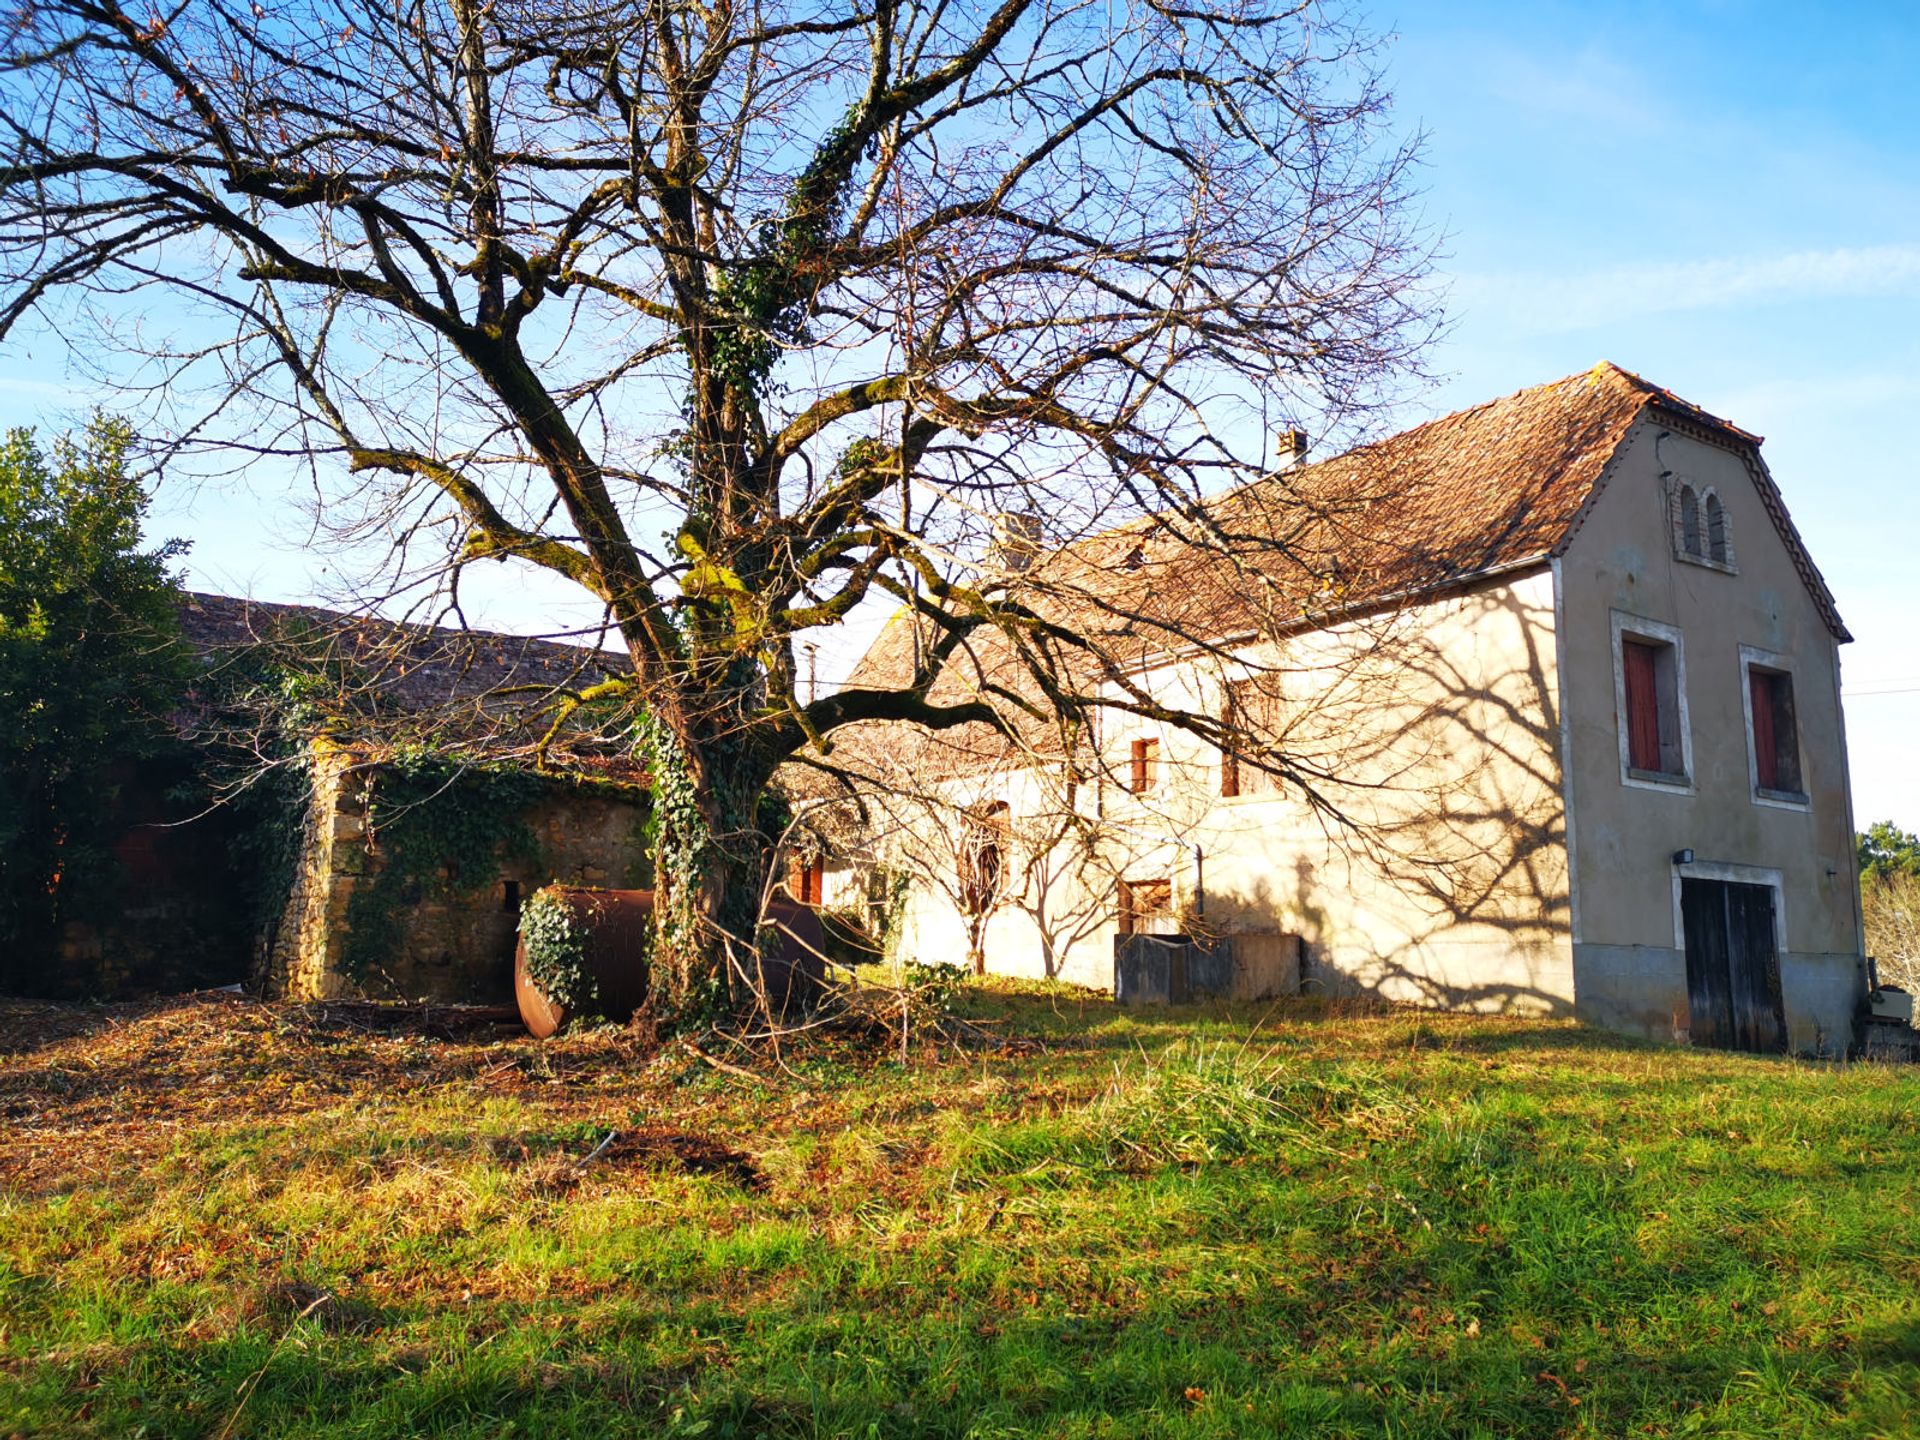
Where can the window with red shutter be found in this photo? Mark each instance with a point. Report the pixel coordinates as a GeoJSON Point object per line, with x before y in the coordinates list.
{"type": "Point", "coordinates": [807, 880]}
{"type": "Point", "coordinates": [1250, 717]}
{"type": "Point", "coordinates": [1776, 736]}
{"type": "Point", "coordinates": [1640, 664]}
{"type": "Point", "coordinates": [1766, 758]}
{"type": "Point", "coordinates": [1146, 754]}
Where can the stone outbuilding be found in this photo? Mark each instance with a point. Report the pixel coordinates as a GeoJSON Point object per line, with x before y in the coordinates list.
{"type": "Point", "coordinates": [409, 805]}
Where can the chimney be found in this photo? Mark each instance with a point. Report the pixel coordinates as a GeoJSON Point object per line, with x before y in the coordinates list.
{"type": "Point", "coordinates": [1293, 448]}
{"type": "Point", "coordinates": [1017, 540]}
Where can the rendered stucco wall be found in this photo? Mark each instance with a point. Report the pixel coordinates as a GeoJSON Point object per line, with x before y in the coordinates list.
{"type": "Point", "coordinates": [1629, 967]}
{"type": "Point", "coordinates": [1432, 869]}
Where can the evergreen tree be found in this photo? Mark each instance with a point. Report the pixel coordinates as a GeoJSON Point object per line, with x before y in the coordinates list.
{"type": "Point", "coordinates": [90, 668]}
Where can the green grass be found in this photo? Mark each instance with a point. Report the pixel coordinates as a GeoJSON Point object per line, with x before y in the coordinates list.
{"type": "Point", "coordinates": [1188, 1223]}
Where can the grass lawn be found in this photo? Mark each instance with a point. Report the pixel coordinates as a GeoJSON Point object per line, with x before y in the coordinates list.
{"type": "Point", "coordinates": [221, 1219]}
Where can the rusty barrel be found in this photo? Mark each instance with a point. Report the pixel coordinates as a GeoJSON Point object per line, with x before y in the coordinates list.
{"type": "Point", "coordinates": [613, 928]}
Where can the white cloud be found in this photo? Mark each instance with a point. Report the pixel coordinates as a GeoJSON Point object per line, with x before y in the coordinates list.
{"type": "Point", "coordinates": [1536, 304]}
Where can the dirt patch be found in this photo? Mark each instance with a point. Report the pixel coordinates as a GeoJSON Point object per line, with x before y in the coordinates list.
{"type": "Point", "coordinates": [679, 1152]}
{"type": "Point", "coordinates": [89, 1090]}
{"type": "Point", "coordinates": [684, 1151]}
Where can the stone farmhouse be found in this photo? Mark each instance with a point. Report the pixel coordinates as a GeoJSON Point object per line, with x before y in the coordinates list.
{"type": "Point", "coordinates": [1562, 729]}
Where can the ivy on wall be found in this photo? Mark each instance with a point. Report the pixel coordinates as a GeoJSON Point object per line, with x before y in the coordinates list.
{"type": "Point", "coordinates": [441, 829]}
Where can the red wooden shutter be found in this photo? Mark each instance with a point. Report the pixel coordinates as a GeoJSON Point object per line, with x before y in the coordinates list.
{"type": "Point", "coordinates": [1766, 750]}
{"type": "Point", "coordinates": [807, 880]}
{"type": "Point", "coordinates": [1230, 717]}
{"type": "Point", "coordinates": [1143, 756]}
{"type": "Point", "coordinates": [1643, 706]}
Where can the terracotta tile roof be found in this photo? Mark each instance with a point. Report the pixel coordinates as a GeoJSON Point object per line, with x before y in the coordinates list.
{"type": "Point", "coordinates": [1484, 491]}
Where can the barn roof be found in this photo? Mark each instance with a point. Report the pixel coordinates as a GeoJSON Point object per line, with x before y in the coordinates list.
{"type": "Point", "coordinates": [472, 689]}
{"type": "Point", "coordinates": [1481, 492]}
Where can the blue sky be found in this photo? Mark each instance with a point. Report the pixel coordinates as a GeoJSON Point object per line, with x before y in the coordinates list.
{"type": "Point", "coordinates": [1722, 196]}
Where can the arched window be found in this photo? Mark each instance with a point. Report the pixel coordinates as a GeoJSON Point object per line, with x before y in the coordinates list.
{"type": "Point", "coordinates": [1690, 541]}
{"type": "Point", "coordinates": [984, 836]}
{"type": "Point", "coordinates": [1717, 530]}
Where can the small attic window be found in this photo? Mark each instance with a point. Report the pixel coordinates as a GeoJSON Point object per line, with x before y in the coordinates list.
{"type": "Point", "coordinates": [1136, 557]}
{"type": "Point", "coordinates": [1716, 529]}
{"type": "Point", "coordinates": [1702, 529]}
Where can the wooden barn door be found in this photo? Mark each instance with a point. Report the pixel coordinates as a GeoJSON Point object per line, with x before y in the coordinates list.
{"type": "Point", "coordinates": [1733, 968]}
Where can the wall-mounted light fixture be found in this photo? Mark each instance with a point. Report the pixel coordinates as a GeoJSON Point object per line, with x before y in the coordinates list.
{"type": "Point", "coordinates": [1683, 857]}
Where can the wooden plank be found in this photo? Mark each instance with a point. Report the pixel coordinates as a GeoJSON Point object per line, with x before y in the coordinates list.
{"type": "Point", "coordinates": [1643, 706]}
{"type": "Point", "coordinates": [1759, 1018]}
{"type": "Point", "coordinates": [1703, 915]}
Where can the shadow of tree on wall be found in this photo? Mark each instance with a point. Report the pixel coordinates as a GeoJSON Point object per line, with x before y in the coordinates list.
{"type": "Point", "coordinates": [1444, 771]}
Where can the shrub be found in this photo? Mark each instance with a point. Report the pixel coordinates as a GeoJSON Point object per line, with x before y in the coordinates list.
{"type": "Point", "coordinates": [90, 670]}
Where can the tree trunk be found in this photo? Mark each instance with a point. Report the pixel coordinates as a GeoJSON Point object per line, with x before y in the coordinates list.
{"type": "Point", "coordinates": [712, 858]}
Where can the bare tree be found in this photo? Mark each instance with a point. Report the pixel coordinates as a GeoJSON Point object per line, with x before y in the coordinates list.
{"type": "Point", "coordinates": [1890, 907]}
{"type": "Point", "coordinates": [826, 297]}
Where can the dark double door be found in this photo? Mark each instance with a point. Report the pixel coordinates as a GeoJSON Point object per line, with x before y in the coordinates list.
{"type": "Point", "coordinates": [1733, 966]}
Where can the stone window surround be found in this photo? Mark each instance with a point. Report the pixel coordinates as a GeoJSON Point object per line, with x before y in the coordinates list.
{"type": "Point", "coordinates": [1750, 656]}
{"type": "Point", "coordinates": [1677, 486]}
{"type": "Point", "coordinates": [1622, 624]}
{"type": "Point", "coordinates": [1736, 875]}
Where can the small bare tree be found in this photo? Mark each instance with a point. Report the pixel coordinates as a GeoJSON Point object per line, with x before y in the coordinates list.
{"type": "Point", "coordinates": [821, 295]}
{"type": "Point", "coordinates": [1890, 908]}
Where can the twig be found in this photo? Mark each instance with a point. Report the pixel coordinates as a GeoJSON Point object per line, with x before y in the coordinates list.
{"type": "Point", "coordinates": [741, 1071]}
{"type": "Point", "coordinates": [598, 1150]}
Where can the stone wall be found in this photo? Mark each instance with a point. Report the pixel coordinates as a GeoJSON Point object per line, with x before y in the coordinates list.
{"type": "Point", "coordinates": [453, 944]}
{"type": "Point", "coordinates": [168, 921]}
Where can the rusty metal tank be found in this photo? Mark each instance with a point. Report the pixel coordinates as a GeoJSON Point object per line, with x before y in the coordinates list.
{"type": "Point", "coordinates": [614, 924]}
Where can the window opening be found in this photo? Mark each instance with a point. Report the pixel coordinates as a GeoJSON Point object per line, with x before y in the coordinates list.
{"type": "Point", "coordinates": [1248, 712]}
{"type": "Point", "coordinates": [807, 880]}
{"type": "Point", "coordinates": [1776, 736]}
{"type": "Point", "coordinates": [1717, 530]}
{"type": "Point", "coordinates": [1653, 711]}
{"type": "Point", "coordinates": [1146, 908]}
{"type": "Point", "coordinates": [1690, 523]}
{"type": "Point", "coordinates": [983, 857]}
